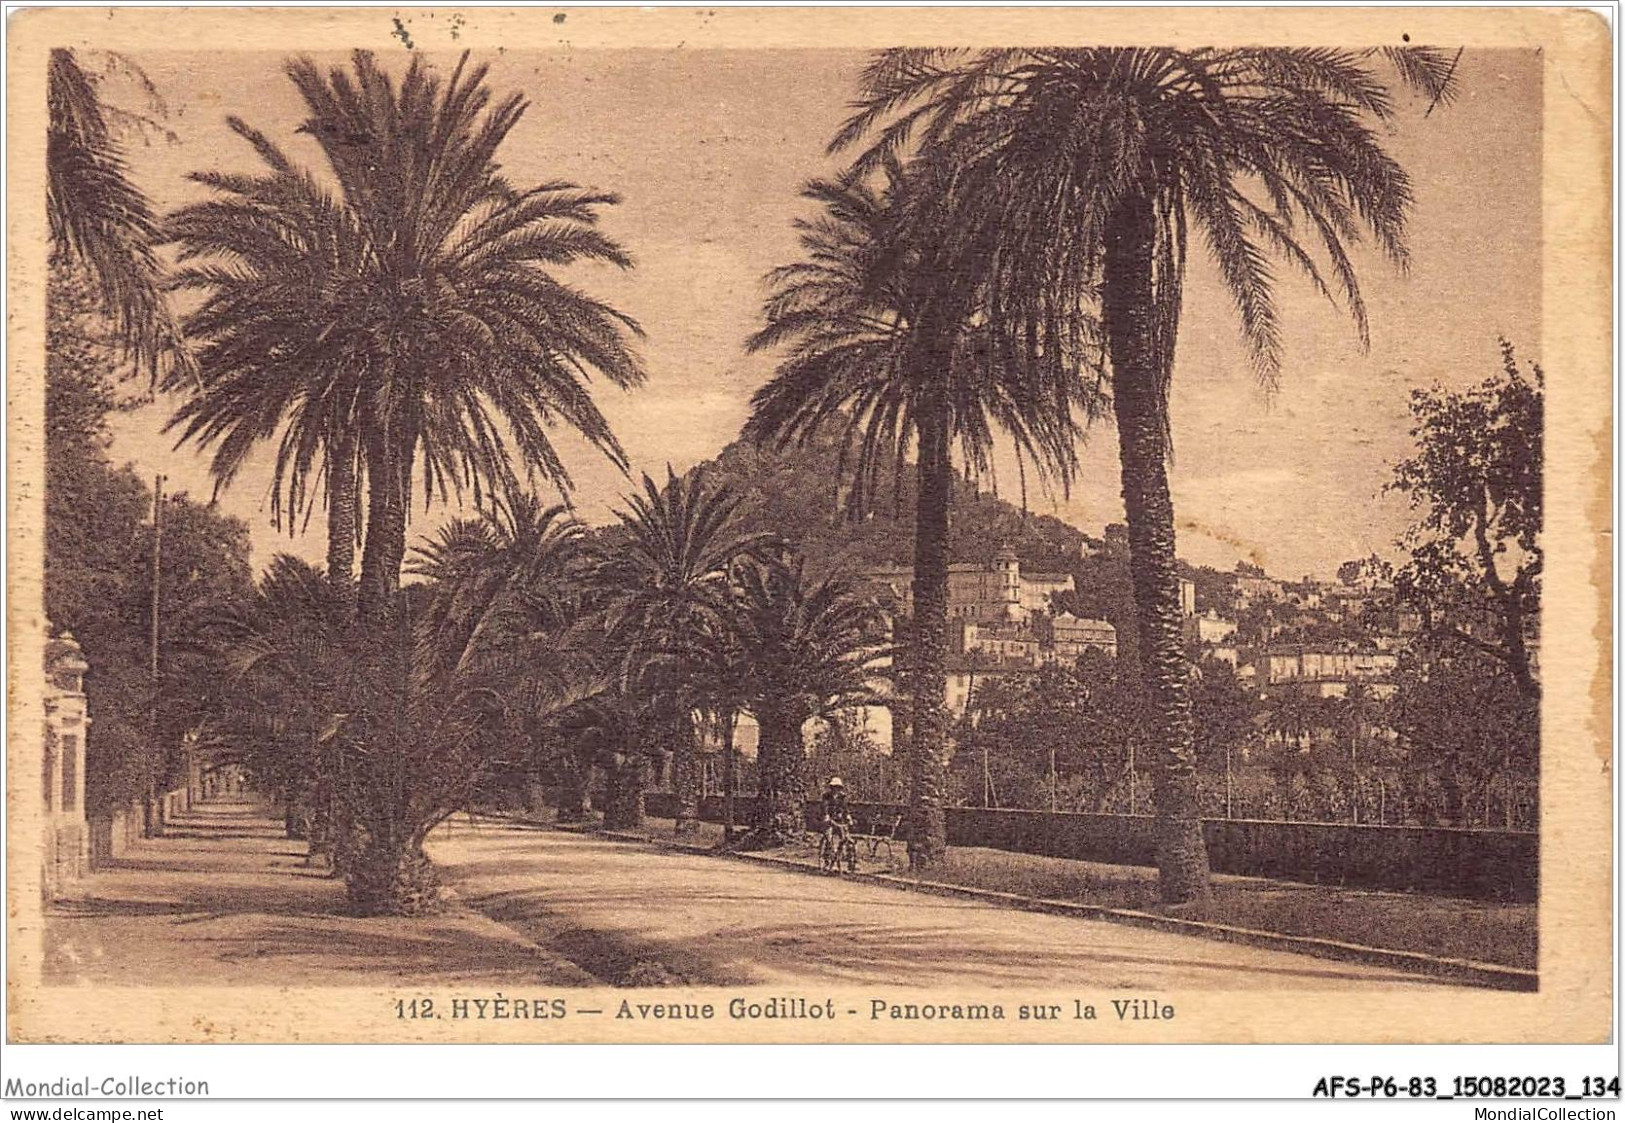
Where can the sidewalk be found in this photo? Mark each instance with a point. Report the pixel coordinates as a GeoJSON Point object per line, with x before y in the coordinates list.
{"type": "Point", "coordinates": [224, 899]}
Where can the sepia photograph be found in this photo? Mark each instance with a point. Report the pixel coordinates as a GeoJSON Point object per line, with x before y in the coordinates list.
{"type": "Point", "coordinates": [528, 531]}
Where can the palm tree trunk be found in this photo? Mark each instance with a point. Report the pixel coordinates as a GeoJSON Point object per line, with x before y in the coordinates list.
{"type": "Point", "coordinates": [625, 810]}
{"type": "Point", "coordinates": [781, 808]}
{"type": "Point", "coordinates": [1140, 369]}
{"type": "Point", "coordinates": [341, 520]}
{"type": "Point", "coordinates": [574, 780]}
{"type": "Point", "coordinates": [388, 483]}
{"type": "Point", "coordinates": [388, 874]}
{"type": "Point", "coordinates": [928, 828]}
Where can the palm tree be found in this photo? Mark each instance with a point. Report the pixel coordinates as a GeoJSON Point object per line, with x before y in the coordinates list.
{"type": "Point", "coordinates": [811, 648]}
{"type": "Point", "coordinates": [274, 255]}
{"type": "Point", "coordinates": [611, 729]}
{"type": "Point", "coordinates": [483, 651]}
{"type": "Point", "coordinates": [666, 578]}
{"type": "Point", "coordinates": [511, 573]}
{"type": "Point", "coordinates": [1092, 165]}
{"type": "Point", "coordinates": [455, 351]}
{"type": "Point", "coordinates": [718, 668]}
{"type": "Point", "coordinates": [99, 218]}
{"type": "Point", "coordinates": [889, 347]}
{"type": "Point", "coordinates": [278, 652]}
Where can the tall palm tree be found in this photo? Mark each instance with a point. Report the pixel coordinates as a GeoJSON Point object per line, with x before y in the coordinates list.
{"type": "Point", "coordinates": [1092, 165]}
{"type": "Point", "coordinates": [442, 699]}
{"type": "Point", "coordinates": [101, 219]}
{"type": "Point", "coordinates": [283, 339]}
{"type": "Point", "coordinates": [889, 345]}
{"type": "Point", "coordinates": [717, 667]}
{"type": "Point", "coordinates": [455, 349]}
{"type": "Point", "coordinates": [666, 579]}
{"type": "Point", "coordinates": [811, 648]}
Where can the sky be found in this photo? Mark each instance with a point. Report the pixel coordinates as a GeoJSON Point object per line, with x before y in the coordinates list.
{"type": "Point", "coordinates": [709, 149]}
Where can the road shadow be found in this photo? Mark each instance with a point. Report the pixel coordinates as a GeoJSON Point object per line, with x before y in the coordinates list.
{"type": "Point", "coordinates": [617, 958]}
{"type": "Point", "coordinates": [225, 898]}
{"type": "Point", "coordinates": [417, 953]}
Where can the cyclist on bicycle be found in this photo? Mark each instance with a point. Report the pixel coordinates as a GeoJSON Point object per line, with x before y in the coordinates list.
{"type": "Point", "coordinates": [837, 815]}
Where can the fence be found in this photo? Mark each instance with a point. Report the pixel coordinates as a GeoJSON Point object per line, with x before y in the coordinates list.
{"type": "Point", "coordinates": [1490, 865]}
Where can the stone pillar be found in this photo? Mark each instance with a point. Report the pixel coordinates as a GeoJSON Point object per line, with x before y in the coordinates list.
{"type": "Point", "coordinates": [67, 831]}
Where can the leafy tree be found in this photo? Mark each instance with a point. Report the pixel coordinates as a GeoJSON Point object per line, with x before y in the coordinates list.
{"type": "Point", "coordinates": [1476, 482]}
{"type": "Point", "coordinates": [98, 561]}
{"type": "Point", "coordinates": [1226, 716]}
{"type": "Point", "coordinates": [1357, 716]}
{"type": "Point", "coordinates": [1467, 730]}
{"type": "Point", "coordinates": [1087, 719]}
{"type": "Point", "coordinates": [887, 346]}
{"type": "Point", "coordinates": [1291, 719]}
{"type": "Point", "coordinates": [1089, 168]}
{"type": "Point", "coordinates": [843, 747]}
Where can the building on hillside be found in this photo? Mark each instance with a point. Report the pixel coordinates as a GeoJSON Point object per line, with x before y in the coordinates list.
{"type": "Point", "coordinates": [983, 651]}
{"type": "Point", "coordinates": [981, 592]}
{"type": "Point", "coordinates": [1038, 590]}
{"type": "Point", "coordinates": [997, 641]}
{"type": "Point", "coordinates": [1208, 629]}
{"type": "Point", "coordinates": [965, 671]}
{"type": "Point", "coordinates": [66, 851]}
{"type": "Point", "coordinates": [1305, 594]}
{"type": "Point", "coordinates": [1252, 590]}
{"type": "Point", "coordinates": [1187, 597]}
{"type": "Point", "coordinates": [1327, 671]}
{"type": "Point", "coordinates": [1070, 636]}
{"type": "Point", "coordinates": [1000, 621]}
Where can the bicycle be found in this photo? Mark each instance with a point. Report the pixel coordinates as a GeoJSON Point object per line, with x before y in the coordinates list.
{"type": "Point", "coordinates": [832, 855]}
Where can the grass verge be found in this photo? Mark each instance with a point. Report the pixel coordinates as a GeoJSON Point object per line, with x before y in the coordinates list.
{"type": "Point", "coordinates": [1504, 934]}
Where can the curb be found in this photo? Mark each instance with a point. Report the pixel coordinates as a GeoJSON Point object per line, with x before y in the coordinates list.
{"type": "Point", "coordinates": [1471, 972]}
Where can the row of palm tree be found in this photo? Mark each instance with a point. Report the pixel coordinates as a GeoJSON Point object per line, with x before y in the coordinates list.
{"type": "Point", "coordinates": [526, 630]}
{"type": "Point", "coordinates": [707, 621]}
{"type": "Point", "coordinates": [1004, 260]}
{"type": "Point", "coordinates": [1009, 249]}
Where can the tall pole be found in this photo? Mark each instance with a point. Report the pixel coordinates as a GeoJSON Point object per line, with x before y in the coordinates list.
{"type": "Point", "coordinates": [1229, 785]}
{"type": "Point", "coordinates": [154, 820]}
{"type": "Point", "coordinates": [1131, 776]}
{"type": "Point", "coordinates": [157, 556]}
